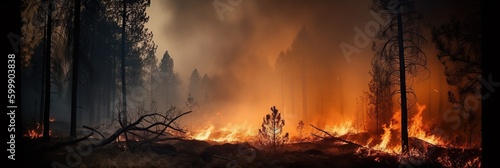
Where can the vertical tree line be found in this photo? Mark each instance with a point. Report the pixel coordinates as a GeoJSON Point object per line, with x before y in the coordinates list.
{"type": "Point", "coordinates": [81, 51]}
{"type": "Point", "coordinates": [292, 64]}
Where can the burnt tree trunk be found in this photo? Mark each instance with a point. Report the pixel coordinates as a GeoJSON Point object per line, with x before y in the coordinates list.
{"type": "Point", "coordinates": [404, 109]}
{"type": "Point", "coordinates": [74, 84]}
{"type": "Point", "coordinates": [46, 112]}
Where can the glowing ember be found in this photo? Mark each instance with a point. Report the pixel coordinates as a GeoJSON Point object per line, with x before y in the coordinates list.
{"type": "Point", "coordinates": [52, 119]}
{"type": "Point", "coordinates": [36, 132]}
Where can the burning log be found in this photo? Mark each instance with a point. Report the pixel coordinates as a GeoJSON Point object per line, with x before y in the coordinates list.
{"type": "Point", "coordinates": [336, 138]}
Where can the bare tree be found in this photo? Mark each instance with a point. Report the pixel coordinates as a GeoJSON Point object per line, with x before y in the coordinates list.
{"type": "Point", "coordinates": [46, 113]}
{"type": "Point", "coordinates": [399, 52]}
{"type": "Point", "coordinates": [74, 83]}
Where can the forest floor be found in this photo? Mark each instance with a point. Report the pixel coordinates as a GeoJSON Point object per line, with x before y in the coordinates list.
{"type": "Point", "coordinates": [193, 154]}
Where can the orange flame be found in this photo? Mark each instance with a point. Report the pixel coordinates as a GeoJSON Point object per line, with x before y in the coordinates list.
{"type": "Point", "coordinates": [417, 128]}
{"type": "Point", "coordinates": [341, 129]}
{"type": "Point", "coordinates": [386, 138]}
{"type": "Point", "coordinates": [227, 134]}
{"type": "Point", "coordinates": [36, 132]}
{"type": "Point", "coordinates": [388, 142]}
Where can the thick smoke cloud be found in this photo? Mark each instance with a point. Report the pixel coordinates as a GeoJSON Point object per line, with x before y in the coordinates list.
{"type": "Point", "coordinates": [241, 47]}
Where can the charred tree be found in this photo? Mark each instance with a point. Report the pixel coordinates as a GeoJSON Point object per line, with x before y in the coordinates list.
{"type": "Point", "coordinates": [402, 86]}
{"type": "Point", "coordinates": [74, 83]}
{"type": "Point", "coordinates": [123, 114]}
{"type": "Point", "coordinates": [399, 51]}
{"type": "Point", "coordinates": [46, 113]}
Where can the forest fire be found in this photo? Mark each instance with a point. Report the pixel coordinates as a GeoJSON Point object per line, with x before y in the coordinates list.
{"type": "Point", "coordinates": [342, 129]}
{"type": "Point", "coordinates": [356, 86]}
{"type": "Point", "coordinates": [418, 129]}
{"type": "Point", "coordinates": [37, 132]}
{"type": "Point", "coordinates": [227, 134]}
{"type": "Point", "coordinates": [388, 141]}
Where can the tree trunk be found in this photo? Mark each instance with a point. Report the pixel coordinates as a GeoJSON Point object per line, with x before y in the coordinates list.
{"type": "Point", "coordinates": [404, 109]}
{"type": "Point", "coordinates": [46, 113]}
{"type": "Point", "coordinates": [123, 118]}
{"type": "Point", "coordinates": [74, 84]}
{"type": "Point", "coordinates": [304, 91]}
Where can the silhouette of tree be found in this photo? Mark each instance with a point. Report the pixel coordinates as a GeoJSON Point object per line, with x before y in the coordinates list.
{"type": "Point", "coordinates": [171, 79]}
{"type": "Point", "coordinates": [74, 84]}
{"type": "Point", "coordinates": [98, 59]}
{"type": "Point", "coordinates": [292, 65]}
{"type": "Point", "coordinates": [194, 85]}
{"type": "Point", "coordinates": [459, 46]}
{"type": "Point", "coordinates": [399, 53]}
{"type": "Point", "coordinates": [136, 43]}
{"type": "Point", "coordinates": [96, 45]}
{"type": "Point", "coordinates": [380, 96]}
{"type": "Point", "coordinates": [46, 113]}
{"type": "Point", "coordinates": [272, 129]}
{"type": "Point", "coordinates": [300, 128]}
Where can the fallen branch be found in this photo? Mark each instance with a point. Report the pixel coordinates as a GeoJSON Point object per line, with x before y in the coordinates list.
{"type": "Point", "coordinates": [133, 126]}
{"type": "Point", "coordinates": [336, 138]}
{"type": "Point", "coordinates": [74, 141]}
{"type": "Point", "coordinates": [94, 130]}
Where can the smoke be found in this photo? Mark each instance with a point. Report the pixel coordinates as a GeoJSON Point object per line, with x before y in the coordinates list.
{"type": "Point", "coordinates": [241, 49]}
{"type": "Point", "coordinates": [238, 43]}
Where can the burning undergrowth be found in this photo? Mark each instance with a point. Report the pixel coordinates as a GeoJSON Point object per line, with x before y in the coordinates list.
{"type": "Point", "coordinates": [273, 144]}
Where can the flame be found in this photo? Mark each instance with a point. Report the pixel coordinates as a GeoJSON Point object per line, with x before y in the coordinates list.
{"type": "Point", "coordinates": [341, 129]}
{"type": "Point", "coordinates": [386, 139]}
{"type": "Point", "coordinates": [204, 134]}
{"type": "Point", "coordinates": [227, 134]}
{"type": "Point", "coordinates": [417, 128]}
{"type": "Point", "coordinates": [52, 119]}
{"type": "Point", "coordinates": [36, 132]}
{"type": "Point", "coordinates": [390, 143]}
